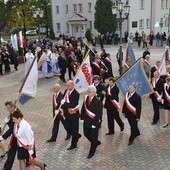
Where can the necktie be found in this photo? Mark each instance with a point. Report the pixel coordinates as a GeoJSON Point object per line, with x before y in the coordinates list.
{"type": "Point", "coordinates": [89, 101]}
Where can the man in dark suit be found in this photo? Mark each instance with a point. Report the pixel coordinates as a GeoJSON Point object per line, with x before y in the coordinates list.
{"type": "Point", "coordinates": [107, 61]}
{"type": "Point", "coordinates": [112, 105]}
{"type": "Point", "coordinates": [95, 67]}
{"type": "Point", "coordinates": [70, 106]}
{"type": "Point", "coordinates": [62, 62]}
{"type": "Point", "coordinates": [13, 145]}
{"type": "Point", "coordinates": [57, 97]}
{"type": "Point", "coordinates": [90, 114]}
{"type": "Point", "coordinates": [71, 59]}
{"type": "Point", "coordinates": [155, 68]}
{"type": "Point", "coordinates": [99, 87]}
{"type": "Point", "coordinates": [132, 111]}
{"type": "Point", "coordinates": [157, 84]}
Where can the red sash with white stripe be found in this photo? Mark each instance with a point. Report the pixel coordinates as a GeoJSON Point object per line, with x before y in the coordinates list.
{"type": "Point", "coordinates": [126, 65]}
{"type": "Point", "coordinates": [156, 68]}
{"type": "Point", "coordinates": [88, 112]}
{"type": "Point", "coordinates": [73, 110]}
{"type": "Point", "coordinates": [147, 63]}
{"type": "Point", "coordinates": [113, 101]}
{"type": "Point", "coordinates": [108, 60]}
{"type": "Point", "coordinates": [129, 106]}
{"type": "Point", "coordinates": [96, 65]}
{"type": "Point", "coordinates": [54, 100]}
{"type": "Point", "coordinates": [166, 93]}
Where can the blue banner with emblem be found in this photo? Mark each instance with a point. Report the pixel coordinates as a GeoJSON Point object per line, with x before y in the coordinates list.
{"type": "Point", "coordinates": [136, 76]}
{"type": "Point", "coordinates": [130, 54]}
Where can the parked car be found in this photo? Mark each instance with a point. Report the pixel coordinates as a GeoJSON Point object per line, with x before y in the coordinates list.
{"type": "Point", "coordinates": [31, 32]}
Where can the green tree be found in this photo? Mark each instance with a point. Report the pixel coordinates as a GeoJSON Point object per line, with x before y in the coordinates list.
{"type": "Point", "coordinates": [105, 21]}
{"type": "Point", "coordinates": [88, 34]}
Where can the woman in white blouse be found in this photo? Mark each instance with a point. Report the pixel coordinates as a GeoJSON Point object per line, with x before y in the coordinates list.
{"type": "Point", "coordinates": [25, 139]}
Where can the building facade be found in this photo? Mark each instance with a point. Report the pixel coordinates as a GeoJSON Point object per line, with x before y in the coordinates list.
{"type": "Point", "coordinates": [73, 17]}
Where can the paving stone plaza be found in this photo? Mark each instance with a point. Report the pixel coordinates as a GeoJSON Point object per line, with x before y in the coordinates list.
{"type": "Point", "coordinates": [150, 151]}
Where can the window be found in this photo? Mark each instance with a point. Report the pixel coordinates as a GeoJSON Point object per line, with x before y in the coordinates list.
{"type": "Point", "coordinates": [89, 6]}
{"type": "Point", "coordinates": [66, 8]}
{"type": "Point", "coordinates": [57, 9]}
{"type": "Point", "coordinates": [166, 22]}
{"type": "Point", "coordinates": [74, 7]}
{"type": "Point", "coordinates": [141, 23]}
{"type": "Point", "coordinates": [67, 26]}
{"type": "Point", "coordinates": [141, 4]}
{"type": "Point", "coordinates": [58, 27]}
{"type": "Point", "coordinates": [166, 4]}
{"type": "Point", "coordinates": [91, 25]}
{"type": "Point", "coordinates": [134, 24]}
{"type": "Point", "coordinates": [162, 4]}
{"type": "Point", "coordinates": [80, 7]}
{"type": "Point", "coordinates": [147, 23]}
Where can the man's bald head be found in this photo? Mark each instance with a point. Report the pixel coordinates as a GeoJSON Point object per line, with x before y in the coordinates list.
{"type": "Point", "coordinates": [56, 88]}
{"type": "Point", "coordinates": [70, 85]}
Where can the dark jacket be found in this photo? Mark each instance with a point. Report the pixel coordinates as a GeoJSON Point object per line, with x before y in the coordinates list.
{"type": "Point", "coordinates": [136, 102]}
{"type": "Point", "coordinates": [96, 108]}
{"type": "Point", "coordinates": [62, 62]}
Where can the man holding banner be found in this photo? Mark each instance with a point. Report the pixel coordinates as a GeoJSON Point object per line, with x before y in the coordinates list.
{"type": "Point", "coordinates": [132, 111]}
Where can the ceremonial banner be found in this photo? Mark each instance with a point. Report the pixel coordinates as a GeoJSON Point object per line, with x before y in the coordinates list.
{"type": "Point", "coordinates": [42, 60]}
{"type": "Point", "coordinates": [83, 77]}
{"type": "Point", "coordinates": [162, 68]}
{"type": "Point", "coordinates": [135, 75]}
{"type": "Point", "coordinates": [14, 41]}
{"type": "Point", "coordinates": [29, 88]}
{"type": "Point", "coordinates": [130, 53]}
{"type": "Point", "coordinates": [20, 41]}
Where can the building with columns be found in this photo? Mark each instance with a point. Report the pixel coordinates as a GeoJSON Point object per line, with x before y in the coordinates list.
{"type": "Point", "coordinates": [73, 17]}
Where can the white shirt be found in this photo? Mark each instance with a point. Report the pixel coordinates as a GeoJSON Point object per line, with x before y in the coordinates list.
{"type": "Point", "coordinates": [24, 133]}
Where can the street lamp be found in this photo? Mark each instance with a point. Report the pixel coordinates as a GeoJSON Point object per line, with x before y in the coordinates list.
{"type": "Point", "coordinates": [38, 14]}
{"type": "Point", "coordinates": [119, 9]}
{"type": "Point", "coordinates": [161, 24]}
{"type": "Point", "coordinates": [167, 16]}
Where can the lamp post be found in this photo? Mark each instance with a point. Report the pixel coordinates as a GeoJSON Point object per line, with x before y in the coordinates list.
{"type": "Point", "coordinates": [38, 14]}
{"type": "Point", "coordinates": [119, 9]}
{"type": "Point", "coordinates": [161, 24]}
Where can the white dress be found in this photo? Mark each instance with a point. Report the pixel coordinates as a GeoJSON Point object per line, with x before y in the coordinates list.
{"type": "Point", "coordinates": [29, 59]}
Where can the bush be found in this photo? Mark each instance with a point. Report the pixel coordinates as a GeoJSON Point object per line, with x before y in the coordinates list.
{"type": "Point", "coordinates": [88, 34]}
{"type": "Point", "coordinates": [52, 34]}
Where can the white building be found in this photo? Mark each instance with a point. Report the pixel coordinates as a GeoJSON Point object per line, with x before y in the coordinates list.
{"type": "Point", "coordinates": [73, 17]}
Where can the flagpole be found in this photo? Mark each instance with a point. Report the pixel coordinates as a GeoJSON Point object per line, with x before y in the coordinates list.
{"type": "Point", "coordinates": [19, 93]}
{"type": "Point", "coordinates": [73, 81]}
{"type": "Point", "coordinates": [89, 47]}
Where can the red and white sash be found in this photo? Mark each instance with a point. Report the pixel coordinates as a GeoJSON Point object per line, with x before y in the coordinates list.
{"type": "Point", "coordinates": [75, 109]}
{"type": "Point", "coordinates": [96, 65]}
{"type": "Point", "coordinates": [156, 68]}
{"type": "Point", "coordinates": [126, 65]}
{"type": "Point", "coordinates": [147, 63]}
{"type": "Point", "coordinates": [166, 93]}
{"type": "Point", "coordinates": [129, 106]}
{"type": "Point", "coordinates": [88, 112]}
{"type": "Point", "coordinates": [113, 101]}
{"type": "Point", "coordinates": [67, 96]}
{"type": "Point", "coordinates": [108, 60]}
{"type": "Point", "coordinates": [54, 100]}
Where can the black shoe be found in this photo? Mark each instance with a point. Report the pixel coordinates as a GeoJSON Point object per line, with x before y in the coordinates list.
{"type": "Point", "coordinates": [44, 166]}
{"type": "Point", "coordinates": [68, 137]}
{"type": "Point", "coordinates": [79, 136]}
{"type": "Point", "coordinates": [98, 143]}
{"type": "Point", "coordinates": [130, 143]}
{"type": "Point", "coordinates": [2, 156]}
{"type": "Point", "coordinates": [165, 126]}
{"type": "Point", "coordinates": [71, 147]}
{"type": "Point", "coordinates": [109, 133]}
{"type": "Point", "coordinates": [153, 123]}
{"type": "Point", "coordinates": [122, 128]}
{"type": "Point", "coordinates": [51, 140]}
{"type": "Point", "coordinates": [90, 156]}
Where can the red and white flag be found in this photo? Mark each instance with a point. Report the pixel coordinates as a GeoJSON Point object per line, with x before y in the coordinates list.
{"type": "Point", "coordinates": [20, 41]}
{"type": "Point", "coordinates": [83, 77]}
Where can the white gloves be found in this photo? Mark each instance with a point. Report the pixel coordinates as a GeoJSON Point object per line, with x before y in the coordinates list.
{"type": "Point", "coordinates": [93, 127]}
{"type": "Point", "coordinates": [6, 120]}
{"type": "Point", "coordinates": [1, 138]}
{"type": "Point", "coordinates": [56, 112]}
{"type": "Point", "coordinates": [30, 152]}
{"type": "Point", "coordinates": [62, 101]}
{"type": "Point", "coordinates": [82, 121]}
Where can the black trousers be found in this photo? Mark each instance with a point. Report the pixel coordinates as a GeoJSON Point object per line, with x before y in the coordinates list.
{"type": "Point", "coordinates": [134, 127]}
{"type": "Point", "coordinates": [72, 124]}
{"type": "Point", "coordinates": [71, 70]}
{"type": "Point", "coordinates": [62, 76]}
{"type": "Point", "coordinates": [155, 104]}
{"type": "Point", "coordinates": [111, 116]}
{"type": "Point", "coordinates": [11, 155]}
{"type": "Point", "coordinates": [92, 135]}
{"type": "Point", "coordinates": [56, 126]}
